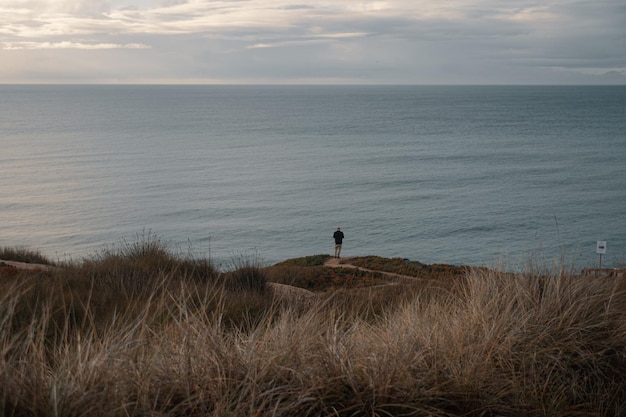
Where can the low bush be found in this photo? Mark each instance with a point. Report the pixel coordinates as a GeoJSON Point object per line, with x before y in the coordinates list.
{"type": "Point", "coordinates": [314, 260]}
{"type": "Point", "coordinates": [410, 268]}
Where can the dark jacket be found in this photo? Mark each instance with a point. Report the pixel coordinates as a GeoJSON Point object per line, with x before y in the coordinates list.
{"type": "Point", "coordinates": [338, 235]}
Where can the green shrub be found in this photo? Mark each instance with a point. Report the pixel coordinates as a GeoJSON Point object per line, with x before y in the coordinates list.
{"type": "Point", "coordinates": [410, 268]}
{"type": "Point", "coordinates": [314, 260]}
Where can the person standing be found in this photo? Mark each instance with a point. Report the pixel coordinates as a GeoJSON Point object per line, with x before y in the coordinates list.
{"type": "Point", "coordinates": [338, 236]}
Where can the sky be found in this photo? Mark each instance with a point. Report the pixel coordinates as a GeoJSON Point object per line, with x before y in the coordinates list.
{"type": "Point", "coordinates": [313, 41]}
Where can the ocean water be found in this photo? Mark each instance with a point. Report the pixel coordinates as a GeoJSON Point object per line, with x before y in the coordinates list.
{"type": "Point", "coordinates": [480, 175]}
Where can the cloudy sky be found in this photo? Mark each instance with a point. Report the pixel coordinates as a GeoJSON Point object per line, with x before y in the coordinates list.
{"type": "Point", "coordinates": [313, 41]}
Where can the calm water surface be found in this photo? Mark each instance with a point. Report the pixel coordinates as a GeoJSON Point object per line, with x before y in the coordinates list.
{"type": "Point", "coordinates": [461, 175]}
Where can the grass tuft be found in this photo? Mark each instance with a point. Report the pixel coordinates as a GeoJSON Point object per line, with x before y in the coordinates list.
{"type": "Point", "coordinates": [246, 274]}
{"type": "Point", "coordinates": [24, 254]}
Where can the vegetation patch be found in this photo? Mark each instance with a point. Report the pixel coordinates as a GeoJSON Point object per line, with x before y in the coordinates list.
{"type": "Point", "coordinates": [314, 260]}
{"type": "Point", "coordinates": [320, 279]}
{"type": "Point", "coordinates": [410, 268]}
{"type": "Point", "coordinates": [145, 332]}
{"type": "Point", "coordinates": [23, 254]}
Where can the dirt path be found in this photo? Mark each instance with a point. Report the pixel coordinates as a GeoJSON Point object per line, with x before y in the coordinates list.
{"type": "Point", "coordinates": [346, 263]}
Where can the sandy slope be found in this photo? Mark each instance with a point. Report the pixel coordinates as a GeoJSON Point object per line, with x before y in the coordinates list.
{"type": "Point", "coordinates": [25, 265]}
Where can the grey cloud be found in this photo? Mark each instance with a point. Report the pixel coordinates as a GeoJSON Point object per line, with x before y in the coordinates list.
{"type": "Point", "coordinates": [297, 7]}
{"type": "Point", "coordinates": [480, 41]}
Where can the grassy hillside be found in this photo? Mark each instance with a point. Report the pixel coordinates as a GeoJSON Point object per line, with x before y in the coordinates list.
{"type": "Point", "coordinates": [142, 331]}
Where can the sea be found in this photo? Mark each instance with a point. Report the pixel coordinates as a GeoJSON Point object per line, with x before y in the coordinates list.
{"type": "Point", "coordinates": [497, 176]}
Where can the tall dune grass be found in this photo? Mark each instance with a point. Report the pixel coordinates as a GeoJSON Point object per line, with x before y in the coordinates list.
{"type": "Point", "coordinates": [23, 254]}
{"type": "Point", "coordinates": [173, 339]}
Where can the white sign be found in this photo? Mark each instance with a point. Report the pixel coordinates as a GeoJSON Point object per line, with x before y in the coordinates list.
{"type": "Point", "coordinates": [601, 248]}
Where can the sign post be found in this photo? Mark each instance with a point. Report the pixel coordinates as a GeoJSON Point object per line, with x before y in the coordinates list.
{"type": "Point", "coordinates": [601, 250]}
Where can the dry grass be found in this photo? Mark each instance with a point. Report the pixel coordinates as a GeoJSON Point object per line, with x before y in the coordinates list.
{"type": "Point", "coordinates": [24, 254]}
{"type": "Point", "coordinates": [173, 339]}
